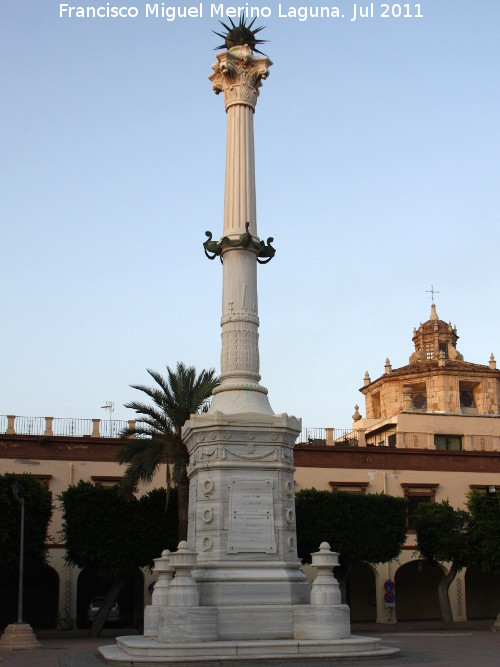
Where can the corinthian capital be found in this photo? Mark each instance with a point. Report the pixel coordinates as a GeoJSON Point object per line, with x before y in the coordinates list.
{"type": "Point", "coordinates": [238, 73]}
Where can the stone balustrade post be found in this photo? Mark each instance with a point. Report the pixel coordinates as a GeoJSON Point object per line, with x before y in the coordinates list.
{"type": "Point", "coordinates": [361, 433]}
{"type": "Point", "coordinates": [11, 429]}
{"type": "Point", "coordinates": [49, 426]}
{"type": "Point", "coordinates": [329, 436]}
{"type": "Point", "coordinates": [95, 428]}
{"type": "Point", "coordinates": [131, 425]}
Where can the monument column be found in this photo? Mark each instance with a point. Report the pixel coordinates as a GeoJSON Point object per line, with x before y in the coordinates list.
{"type": "Point", "coordinates": [238, 74]}
{"type": "Point", "coordinates": [242, 500]}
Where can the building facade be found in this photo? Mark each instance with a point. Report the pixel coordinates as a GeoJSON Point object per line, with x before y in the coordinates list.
{"type": "Point", "coordinates": [60, 454]}
{"type": "Point", "coordinates": [431, 433]}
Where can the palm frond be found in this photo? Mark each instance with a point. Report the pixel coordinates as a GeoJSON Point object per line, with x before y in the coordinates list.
{"type": "Point", "coordinates": [159, 424]}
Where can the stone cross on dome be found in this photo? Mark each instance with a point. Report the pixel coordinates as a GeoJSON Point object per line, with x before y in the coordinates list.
{"type": "Point", "coordinates": [432, 291]}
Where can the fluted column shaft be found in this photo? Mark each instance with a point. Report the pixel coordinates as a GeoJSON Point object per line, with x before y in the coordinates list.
{"type": "Point", "coordinates": [239, 195]}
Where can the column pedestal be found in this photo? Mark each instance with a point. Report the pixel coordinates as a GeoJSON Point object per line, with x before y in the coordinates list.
{"type": "Point", "coordinates": [18, 636]}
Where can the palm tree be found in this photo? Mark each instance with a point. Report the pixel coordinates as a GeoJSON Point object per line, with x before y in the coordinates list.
{"type": "Point", "coordinates": [158, 432]}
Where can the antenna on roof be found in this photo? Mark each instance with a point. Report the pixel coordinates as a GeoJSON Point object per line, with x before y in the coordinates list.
{"type": "Point", "coordinates": [109, 405]}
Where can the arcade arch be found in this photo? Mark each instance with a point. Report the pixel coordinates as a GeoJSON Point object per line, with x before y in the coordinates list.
{"type": "Point", "coordinates": [482, 594]}
{"type": "Point", "coordinates": [417, 591]}
{"type": "Point", "coordinates": [131, 599]}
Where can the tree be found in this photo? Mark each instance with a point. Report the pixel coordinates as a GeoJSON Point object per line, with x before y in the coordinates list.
{"type": "Point", "coordinates": [113, 536]}
{"type": "Point", "coordinates": [484, 531]}
{"type": "Point", "coordinates": [158, 432]}
{"type": "Point", "coordinates": [484, 534]}
{"type": "Point", "coordinates": [442, 537]}
{"type": "Point", "coordinates": [37, 515]}
{"type": "Point", "coordinates": [369, 528]}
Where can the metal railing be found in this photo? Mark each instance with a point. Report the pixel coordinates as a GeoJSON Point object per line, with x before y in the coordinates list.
{"type": "Point", "coordinates": [112, 429]}
{"type": "Point", "coordinates": [313, 435]}
{"type": "Point", "coordinates": [3, 423]}
{"type": "Point", "coordinates": [105, 428]}
{"type": "Point", "coordinates": [57, 426]}
{"type": "Point", "coordinates": [328, 437]}
{"type": "Point", "coordinates": [72, 427]}
{"type": "Point", "coordinates": [30, 425]}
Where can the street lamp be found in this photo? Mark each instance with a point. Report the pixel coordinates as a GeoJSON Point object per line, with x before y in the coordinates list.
{"type": "Point", "coordinates": [18, 491]}
{"type": "Point", "coordinates": [19, 635]}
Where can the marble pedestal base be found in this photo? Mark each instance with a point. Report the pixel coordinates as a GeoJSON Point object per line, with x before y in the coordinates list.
{"type": "Point", "coordinates": [141, 651]}
{"type": "Point", "coordinates": [299, 635]}
{"type": "Point", "coordinates": [238, 594]}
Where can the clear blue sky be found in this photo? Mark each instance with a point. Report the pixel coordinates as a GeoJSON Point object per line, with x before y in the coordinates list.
{"type": "Point", "coordinates": [377, 154]}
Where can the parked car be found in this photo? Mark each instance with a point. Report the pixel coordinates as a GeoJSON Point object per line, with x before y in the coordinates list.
{"type": "Point", "coordinates": [94, 606]}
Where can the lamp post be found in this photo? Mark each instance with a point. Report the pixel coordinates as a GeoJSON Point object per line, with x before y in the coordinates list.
{"type": "Point", "coordinates": [18, 491]}
{"type": "Point", "coordinates": [19, 635]}
{"type": "Point", "coordinates": [491, 491]}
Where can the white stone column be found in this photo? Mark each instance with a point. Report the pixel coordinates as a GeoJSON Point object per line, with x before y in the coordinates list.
{"type": "Point", "coordinates": [238, 74]}
{"type": "Point", "coordinates": [241, 495]}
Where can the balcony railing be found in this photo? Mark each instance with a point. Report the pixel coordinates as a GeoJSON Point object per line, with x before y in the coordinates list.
{"type": "Point", "coordinates": [104, 428]}
{"type": "Point", "coordinates": [67, 427]}
{"type": "Point", "coordinates": [328, 437]}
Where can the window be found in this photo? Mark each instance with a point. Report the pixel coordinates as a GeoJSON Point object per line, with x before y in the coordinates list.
{"type": "Point", "coordinates": [44, 480]}
{"type": "Point", "coordinates": [487, 488]}
{"type": "Point", "coordinates": [352, 487]}
{"type": "Point", "coordinates": [470, 396]}
{"type": "Point", "coordinates": [418, 396]}
{"type": "Point", "coordinates": [391, 440]}
{"type": "Point", "coordinates": [419, 401]}
{"type": "Point", "coordinates": [429, 351]}
{"type": "Point", "coordinates": [450, 442]}
{"type": "Point", "coordinates": [416, 494]}
{"type": "Point", "coordinates": [466, 399]}
{"type": "Point", "coordinates": [443, 347]}
{"type": "Point", "coordinates": [106, 481]}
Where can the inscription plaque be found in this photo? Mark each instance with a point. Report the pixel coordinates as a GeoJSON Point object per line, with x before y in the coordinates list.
{"type": "Point", "coordinates": [251, 517]}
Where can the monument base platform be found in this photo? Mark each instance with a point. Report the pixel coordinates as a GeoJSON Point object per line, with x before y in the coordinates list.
{"type": "Point", "coordinates": [141, 651]}
{"type": "Point", "coordinates": [18, 636]}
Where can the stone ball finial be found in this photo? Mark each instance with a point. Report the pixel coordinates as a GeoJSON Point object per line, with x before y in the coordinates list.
{"type": "Point", "coordinates": [356, 416]}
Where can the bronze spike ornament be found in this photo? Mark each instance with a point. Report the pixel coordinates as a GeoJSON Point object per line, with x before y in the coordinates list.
{"type": "Point", "coordinates": [240, 34]}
